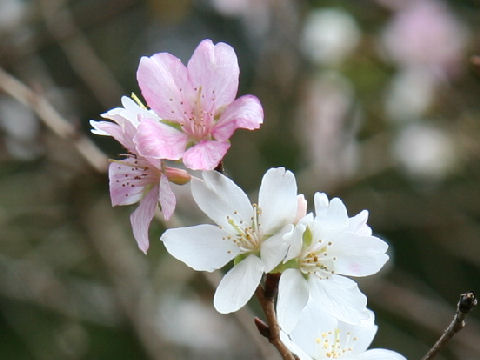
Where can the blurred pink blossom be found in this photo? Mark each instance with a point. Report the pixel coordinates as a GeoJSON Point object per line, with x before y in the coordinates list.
{"type": "Point", "coordinates": [196, 104]}
{"type": "Point", "coordinates": [425, 33]}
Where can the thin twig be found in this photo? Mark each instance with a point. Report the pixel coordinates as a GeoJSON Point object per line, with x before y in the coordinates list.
{"type": "Point", "coordinates": [401, 296]}
{"type": "Point", "coordinates": [81, 56]}
{"type": "Point", "coordinates": [53, 120]}
{"type": "Point", "coordinates": [466, 303]}
{"type": "Point", "coordinates": [271, 329]}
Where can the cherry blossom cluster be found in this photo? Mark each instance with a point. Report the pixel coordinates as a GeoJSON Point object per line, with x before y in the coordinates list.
{"type": "Point", "coordinates": [191, 114]}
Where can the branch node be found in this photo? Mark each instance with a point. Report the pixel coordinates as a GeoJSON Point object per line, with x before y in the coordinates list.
{"type": "Point", "coordinates": [467, 302]}
{"type": "Point", "coordinates": [262, 327]}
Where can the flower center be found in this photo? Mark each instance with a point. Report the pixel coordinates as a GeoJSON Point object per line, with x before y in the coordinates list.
{"type": "Point", "coordinates": [334, 344]}
{"type": "Point", "coordinates": [247, 236]}
{"type": "Point", "coordinates": [199, 120]}
{"type": "Point", "coordinates": [316, 259]}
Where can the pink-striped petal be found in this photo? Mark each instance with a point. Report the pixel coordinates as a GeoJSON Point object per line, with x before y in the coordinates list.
{"type": "Point", "coordinates": [155, 140]}
{"type": "Point", "coordinates": [164, 83]}
{"type": "Point", "coordinates": [142, 217]}
{"type": "Point", "coordinates": [214, 70]}
{"type": "Point", "coordinates": [246, 112]}
{"type": "Point", "coordinates": [127, 181]}
{"type": "Point", "coordinates": [205, 155]}
{"type": "Point", "coordinates": [166, 198]}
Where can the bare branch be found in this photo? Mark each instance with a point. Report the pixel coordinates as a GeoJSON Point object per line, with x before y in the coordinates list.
{"type": "Point", "coordinates": [53, 120]}
{"type": "Point", "coordinates": [466, 303]}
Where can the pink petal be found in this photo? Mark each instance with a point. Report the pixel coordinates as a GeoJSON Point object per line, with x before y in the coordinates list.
{"type": "Point", "coordinates": [142, 217]}
{"type": "Point", "coordinates": [164, 84]}
{"type": "Point", "coordinates": [129, 132]}
{"type": "Point", "coordinates": [127, 181]}
{"type": "Point", "coordinates": [166, 198]}
{"type": "Point", "coordinates": [205, 155]}
{"type": "Point", "coordinates": [246, 112]}
{"type": "Point", "coordinates": [159, 141]}
{"type": "Point", "coordinates": [111, 129]}
{"type": "Point", "coordinates": [124, 134]}
{"type": "Point", "coordinates": [214, 69]}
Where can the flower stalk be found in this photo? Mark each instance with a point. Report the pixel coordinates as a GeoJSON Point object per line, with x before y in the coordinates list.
{"type": "Point", "coordinates": [271, 329]}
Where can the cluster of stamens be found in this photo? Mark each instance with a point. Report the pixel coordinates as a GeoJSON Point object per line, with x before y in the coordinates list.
{"type": "Point", "coordinates": [330, 345]}
{"type": "Point", "coordinates": [196, 122]}
{"type": "Point", "coordinates": [246, 236]}
{"type": "Point", "coordinates": [315, 259]}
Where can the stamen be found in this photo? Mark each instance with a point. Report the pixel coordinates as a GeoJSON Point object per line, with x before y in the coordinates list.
{"type": "Point", "coordinates": [137, 100]}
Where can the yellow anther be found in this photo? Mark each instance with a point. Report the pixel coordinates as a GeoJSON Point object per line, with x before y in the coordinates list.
{"type": "Point", "coordinates": [137, 100]}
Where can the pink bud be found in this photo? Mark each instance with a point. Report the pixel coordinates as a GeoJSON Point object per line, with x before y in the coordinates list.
{"type": "Point", "coordinates": [177, 176]}
{"type": "Point", "coordinates": [301, 207]}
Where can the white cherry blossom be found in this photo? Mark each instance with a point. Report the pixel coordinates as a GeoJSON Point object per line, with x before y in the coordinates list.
{"type": "Point", "coordinates": [324, 248]}
{"type": "Point", "coordinates": [319, 336]}
{"type": "Point", "coordinates": [254, 235]}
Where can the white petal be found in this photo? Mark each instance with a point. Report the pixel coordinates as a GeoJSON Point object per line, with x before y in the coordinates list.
{"type": "Point", "coordinates": [380, 354]}
{"type": "Point", "coordinates": [292, 298]}
{"type": "Point", "coordinates": [274, 249]}
{"type": "Point", "coordinates": [358, 224]}
{"type": "Point", "coordinates": [340, 297]}
{"type": "Point", "coordinates": [202, 247]}
{"type": "Point", "coordinates": [358, 255]}
{"type": "Point", "coordinates": [277, 200]}
{"type": "Point", "coordinates": [321, 203]}
{"type": "Point", "coordinates": [294, 348]}
{"type": "Point", "coordinates": [363, 332]}
{"type": "Point", "coordinates": [336, 216]}
{"type": "Point", "coordinates": [219, 197]}
{"type": "Point", "coordinates": [313, 321]}
{"type": "Point", "coordinates": [238, 285]}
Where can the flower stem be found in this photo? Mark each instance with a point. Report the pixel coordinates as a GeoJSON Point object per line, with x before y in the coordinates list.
{"type": "Point", "coordinates": [466, 303]}
{"type": "Point", "coordinates": [270, 328]}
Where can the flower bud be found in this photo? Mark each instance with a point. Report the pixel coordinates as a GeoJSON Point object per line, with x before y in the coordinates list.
{"type": "Point", "coordinates": [177, 176]}
{"type": "Point", "coordinates": [301, 208]}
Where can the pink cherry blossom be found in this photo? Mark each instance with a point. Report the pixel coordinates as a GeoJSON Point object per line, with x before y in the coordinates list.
{"type": "Point", "coordinates": [196, 104]}
{"type": "Point", "coordinates": [137, 178]}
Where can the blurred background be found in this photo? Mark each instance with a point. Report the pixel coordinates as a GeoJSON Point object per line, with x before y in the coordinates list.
{"type": "Point", "coordinates": [376, 102]}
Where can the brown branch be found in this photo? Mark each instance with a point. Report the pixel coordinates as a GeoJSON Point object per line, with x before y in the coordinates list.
{"type": "Point", "coordinates": [270, 329]}
{"type": "Point", "coordinates": [53, 120]}
{"type": "Point", "coordinates": [466, 303]}
{"type": "Point", "coordinates": [402, 297]}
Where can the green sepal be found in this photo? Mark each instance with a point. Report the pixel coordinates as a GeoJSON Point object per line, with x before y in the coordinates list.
{"type": "Point", "coordinates": [239, 258]}
{"type": "Point", "coordinates": [172, 123]}
{"type": "Point", "coordinates": [290, 264]}
{"type": "Point", "coordinates": [307, 238]}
